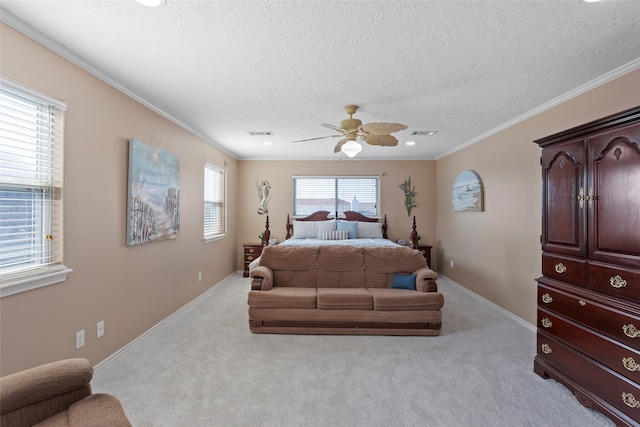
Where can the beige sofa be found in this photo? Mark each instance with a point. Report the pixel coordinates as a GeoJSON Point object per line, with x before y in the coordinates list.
{"type": "Point", "coordinates": [344, 290]}
{"type": "Point", "coordinates": [57, 394]}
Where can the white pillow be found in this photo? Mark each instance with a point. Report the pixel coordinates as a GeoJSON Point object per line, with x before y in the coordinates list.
{"type": "Point", "coordinates": [335, 235]}
{"type": "Point", "coordinates": [305, 230]}
{"type": "Point", "coordinates": [325, 226]}
{"type": "Point", "coordinates": [371, 230]}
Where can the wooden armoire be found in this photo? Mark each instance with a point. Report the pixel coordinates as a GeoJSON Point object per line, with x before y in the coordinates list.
{"type": "Point", "coordinates": [589, 293]}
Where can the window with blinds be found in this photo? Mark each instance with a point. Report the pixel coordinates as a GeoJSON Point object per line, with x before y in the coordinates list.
{"type": "Point", "coordinates": [336, 194]}
{"type": "Point", "coordinates": [31, 143]}
{"type": "Point", "coordinates": [214, 207]}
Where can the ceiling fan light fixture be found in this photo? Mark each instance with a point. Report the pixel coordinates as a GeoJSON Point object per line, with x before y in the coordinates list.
{"type": "Point", "coordinates": [351, 148]}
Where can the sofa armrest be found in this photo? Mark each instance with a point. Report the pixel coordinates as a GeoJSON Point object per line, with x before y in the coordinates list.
{"type": "Point", "coordinates": [426, 280]}
{"type": "Point", "coordinates": [262, 278]}
{"type": "Point", "coordinates": [30, 396]}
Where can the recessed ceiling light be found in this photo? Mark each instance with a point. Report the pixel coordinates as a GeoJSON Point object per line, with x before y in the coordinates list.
{"type": "Point", "coordinates": [268, 143]}
{"type": "Point", "coordinates": [410, 143]}
{"type": "Point", "coordinates": [424, 132]}
{"type": "Point", "coordinates": [151, 3]}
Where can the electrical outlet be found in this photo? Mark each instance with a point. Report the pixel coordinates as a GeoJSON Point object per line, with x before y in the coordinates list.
{"type": "Point", "coordinates": [200, 277]}
{"type": "Point", "coordinates": [100, 328]}
{"type": "Point", "coordinates": [451, 263]}
{"type": "Point", "coordinates": [79, 339]}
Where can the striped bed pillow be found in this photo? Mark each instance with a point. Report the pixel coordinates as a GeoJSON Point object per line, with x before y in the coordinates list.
{"type": "Point", "coordinates": [335, 235]}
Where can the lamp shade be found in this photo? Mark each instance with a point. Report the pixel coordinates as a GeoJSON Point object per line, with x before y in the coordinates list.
{"type": "Point", "coordinates": [351, 148]}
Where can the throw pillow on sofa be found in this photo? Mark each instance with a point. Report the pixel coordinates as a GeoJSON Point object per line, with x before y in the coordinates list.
{"type": "Point", "coordinates": [403, 281]}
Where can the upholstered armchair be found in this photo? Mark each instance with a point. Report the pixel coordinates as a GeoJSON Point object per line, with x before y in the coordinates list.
{"type": "Point", "coordinates": [57, 394]}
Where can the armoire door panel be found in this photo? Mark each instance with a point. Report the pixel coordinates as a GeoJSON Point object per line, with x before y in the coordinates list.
{"type": "Point", "coordinates": [615, 180]}
{"type": "Point", "coordinates": [563, 193]}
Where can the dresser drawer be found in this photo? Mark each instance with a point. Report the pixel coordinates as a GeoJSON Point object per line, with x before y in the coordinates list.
{"type": "Point", "coordinates": [617, 282]}
{"type": "Point", "coordinates": [619, 358]}
{"type": "Point", "coordinates": [604, 316]}
{"type": "Point", "coordinates": [618, 391]}
{"type": "Point", "coordinates": [566, 269]}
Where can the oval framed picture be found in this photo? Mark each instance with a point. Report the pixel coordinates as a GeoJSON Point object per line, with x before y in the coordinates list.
{"type": "Point", "coordinates": [468, 194]}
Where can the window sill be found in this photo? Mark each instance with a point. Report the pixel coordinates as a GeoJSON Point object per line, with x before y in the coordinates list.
{"type": "Point", "coordinates": [210, 239]}
{"type": "Point", "coordinates": [35, 282]}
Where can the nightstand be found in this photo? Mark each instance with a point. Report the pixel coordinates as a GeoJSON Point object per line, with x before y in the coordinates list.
{"type": "Point", "coordinates": [426, 252]}
{"type": "Point", "coordinates": [251, 252]}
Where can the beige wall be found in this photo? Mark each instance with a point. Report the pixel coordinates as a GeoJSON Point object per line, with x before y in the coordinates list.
{"type": "Point", "coordinates": [496, 253]}
{"type": "Point", "coordinates": [131, 289]}
{"type": "Point", "coordinates": [392, 174]}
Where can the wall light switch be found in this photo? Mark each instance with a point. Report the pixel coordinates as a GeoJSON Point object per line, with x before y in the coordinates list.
{"type": "Point", "coordinates": [451, 263]}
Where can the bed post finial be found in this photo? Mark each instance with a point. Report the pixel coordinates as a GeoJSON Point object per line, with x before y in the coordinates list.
{"type": "Point", "coordinates": [414, 234]}
{"type": "Point", "coordinates": [267, 233]}
{"type": "Point", "coordinates": [289, 228]}
{"type": "Point", "coordinates": [384, 228]}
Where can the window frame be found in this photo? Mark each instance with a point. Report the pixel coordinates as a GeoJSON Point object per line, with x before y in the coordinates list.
{"type": "Point", "coordinates": [213, 236]}
{"type": "Point", "coordinates": [337, 179]}
{"type": "Point", "coordinates": [49, 269]}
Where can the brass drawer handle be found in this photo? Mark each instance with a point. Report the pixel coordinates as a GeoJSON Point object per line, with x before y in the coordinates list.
{"type": "Point", "coordinates": [546, 298]}
{"type": "Point", "coordinates": [582, 303]}
{"type": "Point", "coordinates": [630, 364]}
{"type": "Point", "coordinates": [631, 331]}
{"type": "Point", "coordinates": [630, 400]}
{"type": "Point", "coordinates": [618, 282]}
{"type": "Point", "coordinates": [560, 268]}
{"type": "Point", "coordinates": [250, 258]}
{"type": "Point", "coordinates": [546, 322]}
{"type": "Point", "coordinates": [545, 348]}
{"type": "Point", "coordinates": [252, 250]}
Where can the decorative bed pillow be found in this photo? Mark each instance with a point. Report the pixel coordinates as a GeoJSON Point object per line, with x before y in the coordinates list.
{"type": "Point", "coordinates": [350, 226]}
{"type": "Point", "coordinates": [335, 235]}
{"type": "Point", "coordinates": [371, 230]}
{"type": "Point", "coordinates": [402, 281]}
{"type": "Point", "coordinates": [325, 226]}
{"type": "Point", "coordinates": [305, 230]}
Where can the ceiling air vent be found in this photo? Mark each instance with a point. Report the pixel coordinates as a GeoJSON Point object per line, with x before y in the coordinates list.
{"type": "Point", "coordinates": [425, 132]}
{"type": "Point", "coordinates": [260, 132]}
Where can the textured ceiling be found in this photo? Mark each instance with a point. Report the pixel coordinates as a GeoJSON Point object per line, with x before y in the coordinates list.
{"type": "Point", "coordinates": [223, 68]}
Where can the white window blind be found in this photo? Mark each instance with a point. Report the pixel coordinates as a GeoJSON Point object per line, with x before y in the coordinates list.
{"type": "Point", "coordinates": [214, 207]}
{"type": "Point", "coordinates": [31, 143]}
{"type": "Point", "coordinates": [336, 194]}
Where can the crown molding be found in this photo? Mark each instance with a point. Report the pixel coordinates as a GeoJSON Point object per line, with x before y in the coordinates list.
{"type": "Point", "coordinates": [580, 90]}
{"type": "Point", "coordinates": [41, 38]}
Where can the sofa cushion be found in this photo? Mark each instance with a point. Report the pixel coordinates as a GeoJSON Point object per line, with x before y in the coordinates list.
{"type": "Point", "coordinates": [381, 263]}
{"type": "Point", "coordinates": [405, 300]}
{"type": "Point", "coordinates": [293, 258]}
{"type": "Point", "coordinates": [404, 281]}
{"type": "Point", "coordinates": [344, 299]}
{"type": "Point", "coordinates": [283, 297]}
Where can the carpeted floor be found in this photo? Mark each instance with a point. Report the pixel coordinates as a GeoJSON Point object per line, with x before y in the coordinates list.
{"type": "Point", "coordinates": [202, 367]}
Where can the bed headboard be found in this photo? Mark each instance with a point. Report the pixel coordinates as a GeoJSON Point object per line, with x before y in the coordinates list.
{"type": "Point", "coordinates": [348, 216]}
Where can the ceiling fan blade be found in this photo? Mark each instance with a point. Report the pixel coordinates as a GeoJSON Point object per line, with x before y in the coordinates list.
{"type": "Point", "coordinates": [320, 137]}
{"type": "Point", "coordinates": [339, 145]}
{"type": "Point", "coordinates": [382, 128]}
{"type": "Point", "coordinates": [339, 129]}
{"type": "Point", "coordinates": [382, 140]}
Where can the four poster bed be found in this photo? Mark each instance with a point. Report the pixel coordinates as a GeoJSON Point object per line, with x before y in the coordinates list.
{"type": "Point", "coordinates": [349, 229]}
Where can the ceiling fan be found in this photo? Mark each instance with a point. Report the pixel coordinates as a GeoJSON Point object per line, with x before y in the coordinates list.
{"type": "Point", "coordinates": [351, 129]}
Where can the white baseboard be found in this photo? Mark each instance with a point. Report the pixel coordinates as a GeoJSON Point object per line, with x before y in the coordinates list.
{"type": "Point", "coordinates": [496, 306]}
{"type": "Point", "coordinates": [162, 322]}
